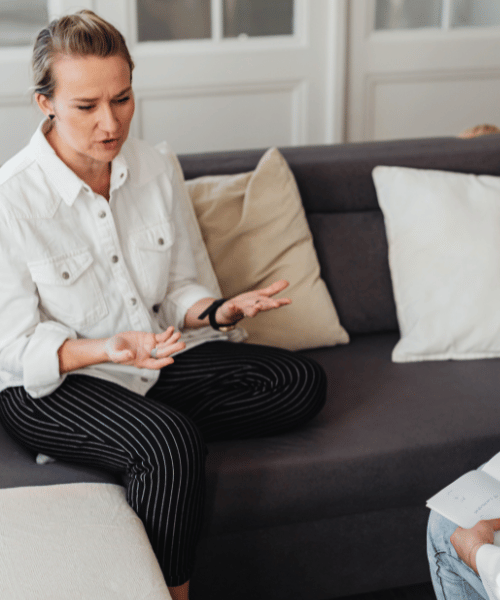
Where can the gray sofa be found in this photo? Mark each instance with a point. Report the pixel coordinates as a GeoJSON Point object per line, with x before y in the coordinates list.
{"type": "Point", "coordinates": [338, 506]}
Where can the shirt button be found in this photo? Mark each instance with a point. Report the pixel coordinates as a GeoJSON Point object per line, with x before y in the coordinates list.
{"type": "Point", "coordinates": [133, 301]}
{"type": "Point", "coordinates": [102, 214]}
{"type": "Point", "coordinates": [122, 175]}
{"type": "Point", "coordinates": [65, 275]}
{"type": "Point", "coordinates": [161, 241]}
{"type": "Point", "coordinates": [144, 379]}
{"type": "Point", "coordinates": [156, 308]}
{"type": "Point", "coordinates": [114, 258]}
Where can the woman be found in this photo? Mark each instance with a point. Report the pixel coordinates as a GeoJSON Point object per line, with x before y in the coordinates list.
{"type": "Point", "coordinates": [96, 271]}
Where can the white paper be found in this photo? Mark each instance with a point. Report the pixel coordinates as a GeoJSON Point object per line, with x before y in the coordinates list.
{"type": "Point", "coordinates": [492, 467]}
{"type": "Point", "coordinates": [471, 498]}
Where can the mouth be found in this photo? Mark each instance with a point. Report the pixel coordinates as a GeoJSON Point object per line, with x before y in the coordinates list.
{"type": "Point", "coordinates": [111, 143]}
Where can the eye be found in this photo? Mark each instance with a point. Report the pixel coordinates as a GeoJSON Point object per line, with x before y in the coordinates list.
{"type": "Point", "coordinates": [123, 100]}
{"type": "Point", "coordinates": [85, 107]}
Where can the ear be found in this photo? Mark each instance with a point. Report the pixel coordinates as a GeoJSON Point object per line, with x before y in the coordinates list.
{"type": "Point", "coordinates": [44, 104]}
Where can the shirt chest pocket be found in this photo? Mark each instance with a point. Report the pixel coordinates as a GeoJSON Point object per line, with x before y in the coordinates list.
{"type": "Point", "coordinates": [68, 289]}
{"type": "Point", "coordinates": [152, 252]}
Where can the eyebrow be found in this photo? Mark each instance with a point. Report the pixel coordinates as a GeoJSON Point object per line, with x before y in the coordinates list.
{"type": "Point", "coordinates": [129, 89]}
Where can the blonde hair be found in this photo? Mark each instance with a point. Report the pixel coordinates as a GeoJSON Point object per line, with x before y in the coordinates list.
{"type": "Point", "coordinates": [80, 34]}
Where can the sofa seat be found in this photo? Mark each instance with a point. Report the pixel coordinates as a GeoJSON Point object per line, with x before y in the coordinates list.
{"type": "Point", "coordinates": [390, 434]}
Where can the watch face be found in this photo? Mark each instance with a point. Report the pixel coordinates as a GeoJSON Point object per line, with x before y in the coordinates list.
{"type": "Point", "coordinates": [226, 328]}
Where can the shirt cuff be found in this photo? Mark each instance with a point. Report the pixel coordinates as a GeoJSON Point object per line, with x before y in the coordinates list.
{"type": "Point", "coordinates": [180, 301]}
{"type": "Point", "coordinates": [41, 361]}
{"type": "Point", "coordinates": [488, 566]}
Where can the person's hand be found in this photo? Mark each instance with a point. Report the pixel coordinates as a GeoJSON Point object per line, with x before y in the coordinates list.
{"type": "Point", "coordinates": [134, 348]}
{"type": "Point", "coordinates": [468, 541]}
{"type": "Point", "coordinates": [250, 304]}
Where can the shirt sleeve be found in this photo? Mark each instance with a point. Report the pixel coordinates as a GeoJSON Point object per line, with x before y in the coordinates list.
{"type": "Point", "coordinates": [29, 341]}
{"type": "Point", "coordinates": [488, 566]}
{"type": "Point", "coordinates": [187, 284]}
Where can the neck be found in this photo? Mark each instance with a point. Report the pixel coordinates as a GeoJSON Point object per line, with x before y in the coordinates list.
{"type": "Point", "coordinates": [99, 181]}
{"type": "Point", "coordinates": [94, 173]}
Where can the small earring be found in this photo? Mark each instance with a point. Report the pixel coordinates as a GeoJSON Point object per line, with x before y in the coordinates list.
{"type": "Point", "coordinates": [52, 117]}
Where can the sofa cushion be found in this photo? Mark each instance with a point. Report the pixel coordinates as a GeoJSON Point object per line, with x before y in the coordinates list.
{"type": "Point", "coordinates": [444, 255]}
{"type": "Point", "coordinates": [75, 541]}
{"type": "Point", "coordinates": [352, 251]}
{"type": "Point", "coordinates": [337, 177]}
{"type": "Point", "coordinates": [256, 232]}
{"type": "Point", "coordinates": [18, 468]}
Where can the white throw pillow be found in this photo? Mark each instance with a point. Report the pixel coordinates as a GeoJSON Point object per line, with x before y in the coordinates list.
{"type": "Point", "coordinates": [443, 231]}
{"type": "Point", "coordinates": [79, 540]}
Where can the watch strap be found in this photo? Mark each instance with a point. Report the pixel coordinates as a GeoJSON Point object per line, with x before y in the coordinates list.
{"type": "Point", "coordinates": [210, 313]}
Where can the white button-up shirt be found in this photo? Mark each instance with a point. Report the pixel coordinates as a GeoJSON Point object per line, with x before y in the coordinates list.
{"type": "Point", "coordinates": [488, 565]}
{"type": "Point", "coordinates": [73, 265]}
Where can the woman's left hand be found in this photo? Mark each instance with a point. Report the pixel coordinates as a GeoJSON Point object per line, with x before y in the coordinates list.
{"type": "Point", "coordinates": [252, 303]}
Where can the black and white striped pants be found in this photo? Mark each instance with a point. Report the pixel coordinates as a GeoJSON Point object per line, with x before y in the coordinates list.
{"type": "Point", "coordinates": [216, 391]}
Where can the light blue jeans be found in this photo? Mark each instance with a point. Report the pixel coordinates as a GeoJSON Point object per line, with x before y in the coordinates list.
{"type": "Point", "coordinates": [452, 579]}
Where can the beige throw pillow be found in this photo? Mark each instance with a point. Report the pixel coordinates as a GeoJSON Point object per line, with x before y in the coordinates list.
{"type": "Point", "coordinates": [256, 232]}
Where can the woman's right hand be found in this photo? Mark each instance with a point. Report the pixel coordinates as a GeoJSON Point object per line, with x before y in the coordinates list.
{"type": "Point", "coordinates": [468, 541]}
{"type": "Point", "coordinates": [134, 348]}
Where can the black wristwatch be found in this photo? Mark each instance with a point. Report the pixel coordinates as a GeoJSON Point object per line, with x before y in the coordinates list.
{"type": "Point", "coordinates": [210, 312]}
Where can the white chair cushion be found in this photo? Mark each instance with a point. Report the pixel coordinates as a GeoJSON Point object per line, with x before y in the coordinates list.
{"type": "Point", "coordinates": [77, 541]}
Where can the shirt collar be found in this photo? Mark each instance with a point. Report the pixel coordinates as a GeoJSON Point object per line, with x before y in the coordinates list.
{"type": "Point", "coordinates": [66, 181]}
{"type": "Point", "coordinates": [119, 172]}
{"type": "Point", "coordinates": [144, 163]}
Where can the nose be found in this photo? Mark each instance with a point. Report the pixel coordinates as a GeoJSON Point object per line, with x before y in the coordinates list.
{"type": "Point", "coordinates": [108, 119]}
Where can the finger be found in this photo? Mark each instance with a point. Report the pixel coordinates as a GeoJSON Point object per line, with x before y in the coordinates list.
{"type": "Point", "coordinates": [117, 350]}
{"type": "Point", "coordinates": [120, 356]}
{"type": "Point", "coordinates": [164, 350]}
{"type": "Point", "coordinates": [281, 302]}
{"type": "Point", "coordinates": [156, 363]}
{"type": "Point", "coordinates": [115, 344]}
{"type": "Point", "coordinates": [173, 339]}
{"type": "Point", "coordinates": [255, 309]}
{"type": "Point", "coordinates": [494, 524]}
{"type": "Point", "coordinates": [165, 335]}
{"type": "Point", "coordinates": [274, 288]}
{"type": "Point", "coordinates": [270, 304]}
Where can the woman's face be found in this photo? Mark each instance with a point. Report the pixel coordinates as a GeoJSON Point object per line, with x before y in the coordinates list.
{"type": "Point", "coordinates": [93, 106]}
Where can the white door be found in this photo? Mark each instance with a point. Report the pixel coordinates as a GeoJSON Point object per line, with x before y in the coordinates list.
{"type": "Point", "coordinates": [249, 91]}
{"type": "Point", "coordinates": [422, 68]}
{"type": "Point", "coordinates": [19, 22]}
{"type": "Point", "coordinates": [231, 77]}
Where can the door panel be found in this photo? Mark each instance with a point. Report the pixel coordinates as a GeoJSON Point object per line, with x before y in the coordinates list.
{"type": "Point", "coordinates": [425, 120]}
{"type": "Point", "coordinates": [419, 82]}
{"type": "Point", "coordinates": [252, 118]}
